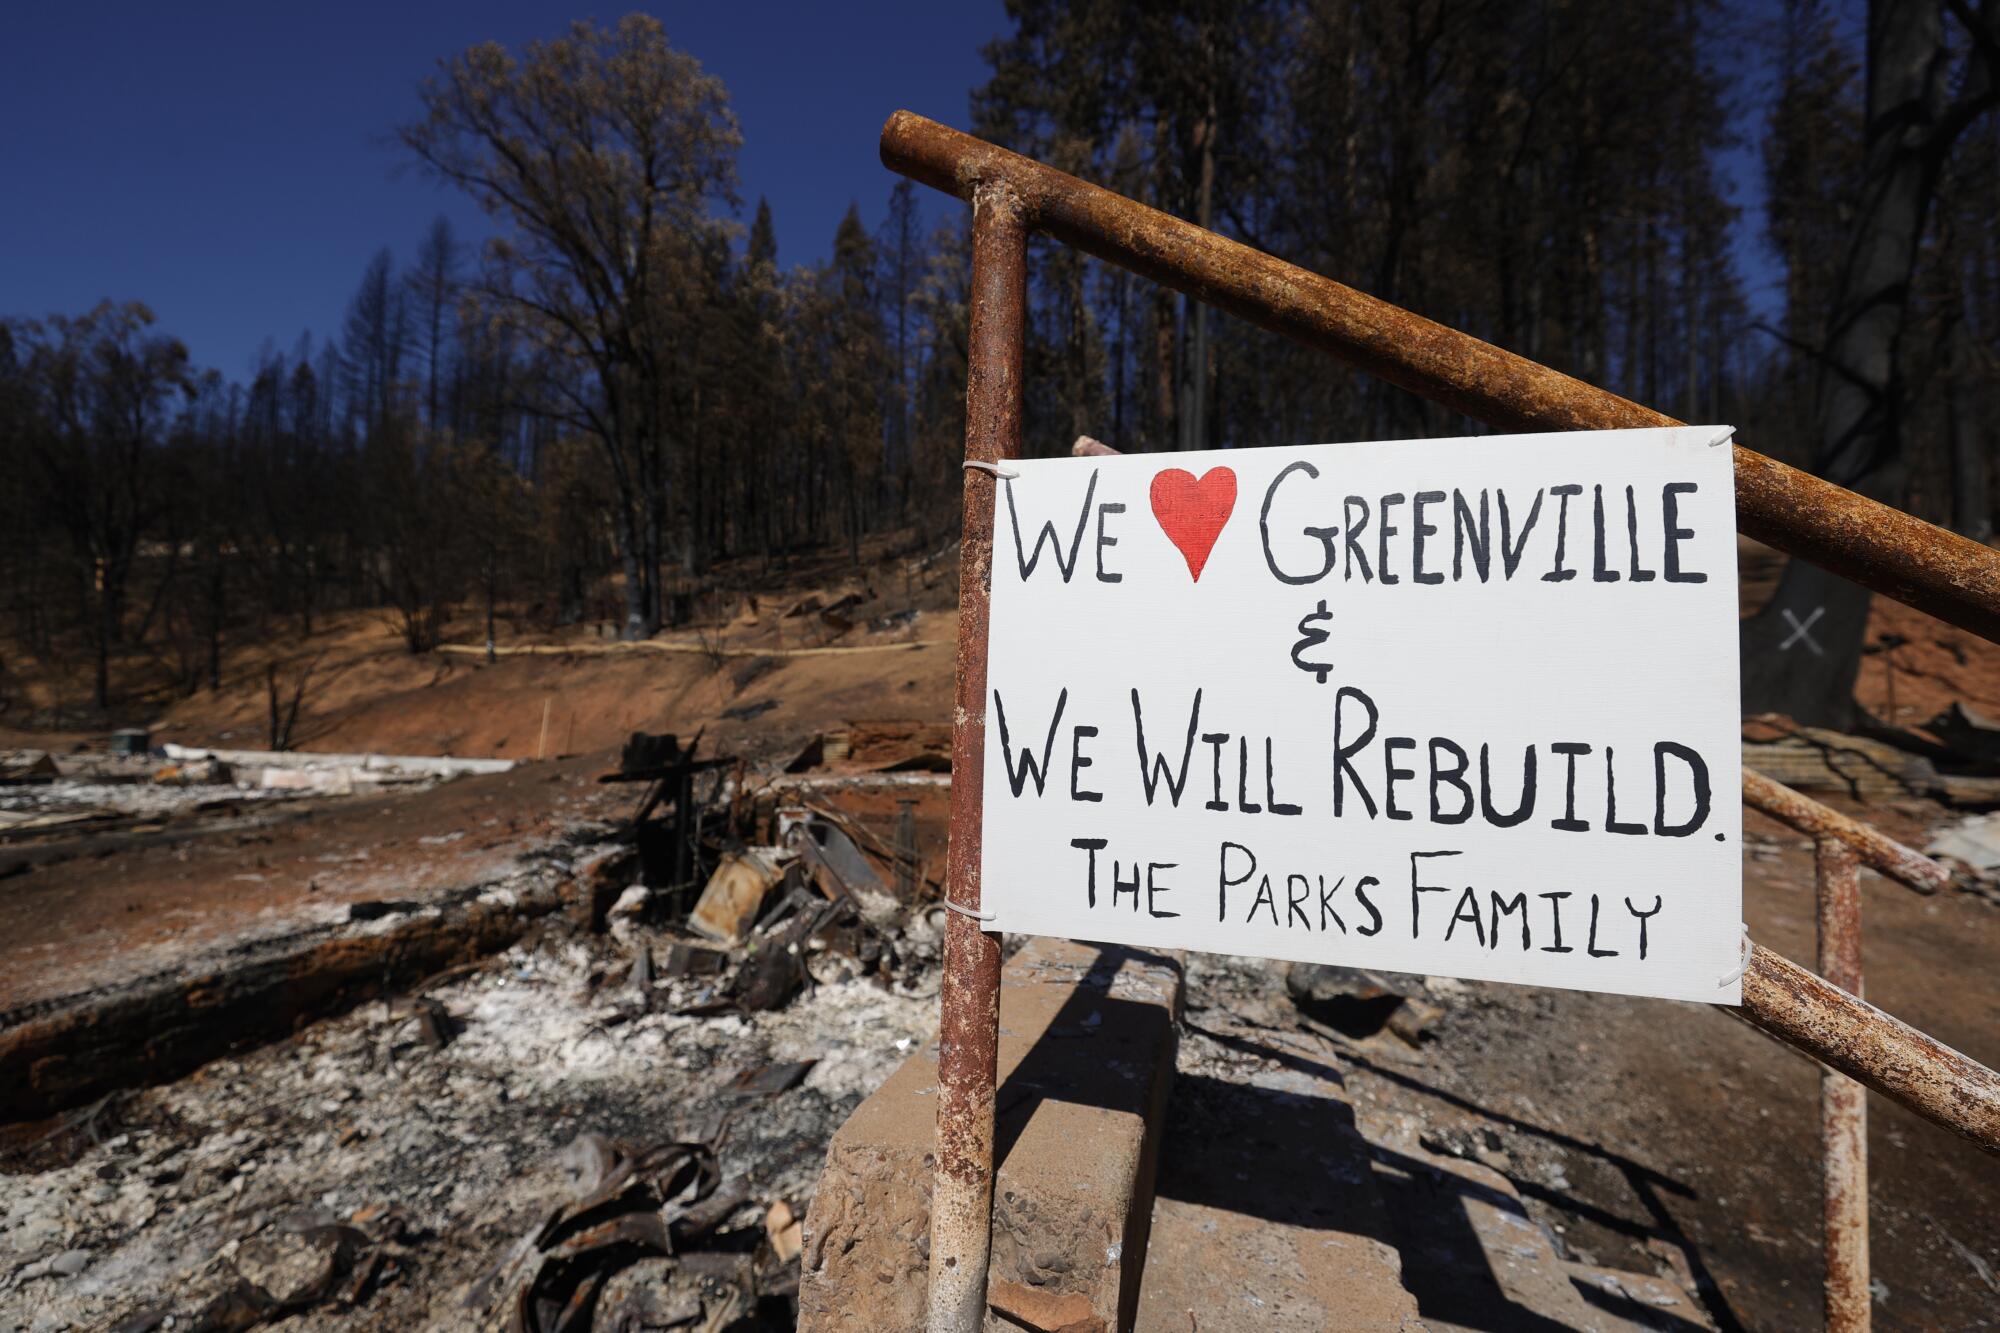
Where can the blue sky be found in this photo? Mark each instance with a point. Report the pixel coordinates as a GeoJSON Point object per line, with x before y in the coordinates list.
{"type": "Point", "coordinates": [228, 163]}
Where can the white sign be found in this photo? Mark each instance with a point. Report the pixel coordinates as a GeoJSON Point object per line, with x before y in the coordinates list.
{"type": "Point", "coordinates": [1462, 707]}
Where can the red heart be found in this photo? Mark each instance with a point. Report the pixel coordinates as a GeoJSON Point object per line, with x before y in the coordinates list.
{"type": "Point", "coordinates": [1192, 513]}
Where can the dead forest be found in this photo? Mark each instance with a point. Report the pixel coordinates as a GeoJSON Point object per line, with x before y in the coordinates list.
{"type": "Point", "coordinates": [476, 785]}
{"type": "Point", "coordinates": [570, 422]}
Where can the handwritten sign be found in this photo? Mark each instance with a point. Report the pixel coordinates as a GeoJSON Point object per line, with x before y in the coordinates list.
{"type": "Point", "coordinates": [1463, 707]}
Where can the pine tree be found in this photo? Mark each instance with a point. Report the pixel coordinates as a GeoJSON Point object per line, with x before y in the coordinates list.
{"type": "Point", "coordinates": [858, 363]}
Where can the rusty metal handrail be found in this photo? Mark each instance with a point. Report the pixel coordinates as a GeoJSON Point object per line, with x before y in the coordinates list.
{"type": "Point", "coordinates": [1846, 1033]}
{"type": "Point", "coordinates": [1876, 545]}
{"type": "Point", "coordinates": [1877, 850]}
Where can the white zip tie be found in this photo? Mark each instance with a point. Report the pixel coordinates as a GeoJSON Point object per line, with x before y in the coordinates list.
{"type": "Point", "coordinates": [951, 906]}
{"type": "Point", "coordinates": [1737, 975]}
{"type": "Point", "coordinates": [994, 468]}
{"type": "Point", "coordinates": [1728, 433]}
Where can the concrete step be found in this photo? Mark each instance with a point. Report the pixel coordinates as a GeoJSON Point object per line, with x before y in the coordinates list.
{"type": "Point", "coordinates": [1478, 1263]}
{"type": "Point", "coordinates": [1087, 1040]}
{"type": "Point", "coordinates": [1266, 1214]}
{"type": "Point", "coordinates": [1254, 1197]}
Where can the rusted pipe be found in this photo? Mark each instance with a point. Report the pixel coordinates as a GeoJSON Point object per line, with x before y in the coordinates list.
{"type": "Point", "coordinates": [969, 1000]}
{"type": "Point", "coordinates": [1843, 1103]}
{"type": "Point", "coordinates": [1846, 1033]}
{"type": "Point", "coordinates": [1949, 576]}
{"type": "Point", "coordinates": [1877, 850]}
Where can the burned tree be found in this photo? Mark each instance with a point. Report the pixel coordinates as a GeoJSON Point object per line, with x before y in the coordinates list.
{"type": "Point", "coordinates": [99, 392]}
{"type": "Point", "coordinates": [1802, 651]}
{"type": "Point", "coordinates": [600, 153]}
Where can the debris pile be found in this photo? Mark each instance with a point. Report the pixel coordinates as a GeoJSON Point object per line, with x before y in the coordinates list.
{"type": "Point", "coordinates": [791, 890]}
{"type": "Point", "coordinates": [44, 796]}
{"type": "Point", "coordinates": [615, 1122]}
{"type": "Point", "coordinates": [1953, 759]}
{"type": "Point", "coordinates": [336, 774]}
{"type": "Point", "coordinates": [1970, 847]}
{"type": "Point", "coordinates": [566, 1132]}
{"type": "Point", "coordinates": [878, 747]}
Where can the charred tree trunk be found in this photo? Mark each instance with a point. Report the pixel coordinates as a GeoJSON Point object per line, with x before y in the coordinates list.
{"type": "Point", "coordinates": [1802, 651]}
{"type": "Point", "coordinates": [1971, 479]}
{"type": "Point", "coordinates": [217, 594]}
{"type": "Point", "coordinates": [631, 562]}
{"type": "Point", "coordinates": [105, 634]}
{"type": "Point", "coordinates": [1195, 389]}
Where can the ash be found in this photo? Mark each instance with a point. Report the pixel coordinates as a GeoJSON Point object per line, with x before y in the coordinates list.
{"type": "Point", "coordinates": [431, 1135]}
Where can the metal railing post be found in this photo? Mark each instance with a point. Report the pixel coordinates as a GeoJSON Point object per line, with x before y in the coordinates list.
{"type": "Point", "coordinates": [1843, 1103]}
{"type": "Point", "coordinates": [969, 999]}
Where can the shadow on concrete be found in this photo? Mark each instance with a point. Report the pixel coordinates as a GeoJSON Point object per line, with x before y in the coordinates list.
{"type": "Point", "coordinates": [1089, 1052]}
{"type": "Point", "coordinates": [1444, 1264]}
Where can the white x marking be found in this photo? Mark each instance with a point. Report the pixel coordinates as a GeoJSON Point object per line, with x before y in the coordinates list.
{"type": "Point", "coordinates": [1800, 631]}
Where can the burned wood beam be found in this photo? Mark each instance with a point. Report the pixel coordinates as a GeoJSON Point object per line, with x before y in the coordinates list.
{"type": "Point", "coordinates": [53, 1057]}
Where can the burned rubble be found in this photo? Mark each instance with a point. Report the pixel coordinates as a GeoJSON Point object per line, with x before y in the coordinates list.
{"type": "Point", "coordinates": [607, 1104]}
{"type": "Point", "coordinates": [126, 794]}
{"type": "Point", "coordinates": [615, 1121]}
